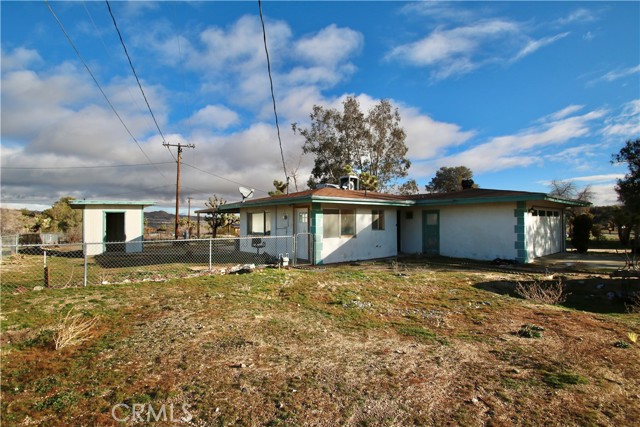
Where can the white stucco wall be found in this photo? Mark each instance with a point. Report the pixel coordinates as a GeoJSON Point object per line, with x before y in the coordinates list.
{"type": "Point", "coordinates": [93, 231]}
{"type": "Point", "coordinates": [367, 243]}
{"type": "Point", "coordinates": [545, 234]}
{"type": "Point", "coordinates": [482, 232]}
{"type": "Point", "coordinates": [282, 224]}
{"type": "Point", "coordinates": [411, 231]}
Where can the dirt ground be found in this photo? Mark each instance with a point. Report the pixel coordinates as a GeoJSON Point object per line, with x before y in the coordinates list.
{"type": "Point", "coordinates": [373, 344]}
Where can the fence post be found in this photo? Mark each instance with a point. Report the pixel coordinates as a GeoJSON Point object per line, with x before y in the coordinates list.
{"type": "Point", "coordinates": [210, 250]}
{"type": "Point", "coordinates": [84, 252]}
{"type": "Point", "coordinates": [46, 271]}
{"type": "Point", "coordinates": [295, 252]}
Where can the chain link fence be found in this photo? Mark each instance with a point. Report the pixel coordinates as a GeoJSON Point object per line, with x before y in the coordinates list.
{"type": "Point", "coordinates": [81, 264]}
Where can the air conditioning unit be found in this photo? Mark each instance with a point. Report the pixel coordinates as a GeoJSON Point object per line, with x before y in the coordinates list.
{"type": "Point", "coordinates": [349, 182]}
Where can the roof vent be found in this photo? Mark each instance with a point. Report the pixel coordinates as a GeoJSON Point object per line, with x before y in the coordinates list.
{"type": "Point", "coordinates": [467, 184]}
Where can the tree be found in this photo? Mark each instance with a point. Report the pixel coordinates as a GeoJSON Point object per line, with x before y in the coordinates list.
{"type": "Point", "coordinates": [568, 190]}
{"type": "Point", "coordinates": [61, 217]}
{"type": "Point", "coordinates": [373, 144]}
{"type": "Point", "coordinates": [280, 188]}
{"type": "Point", "coordinates": [218, 219]}
{"type": "Point", "coordinates": [628, 189]}
{"type": "Point", "coordinates": [449, 179]}
{"type": "Point", "coordinates": [409, 188]}
{"type": "Point", "coordinates": [582, 225]}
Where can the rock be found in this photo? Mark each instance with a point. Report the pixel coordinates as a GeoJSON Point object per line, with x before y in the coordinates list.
{"type": "Point", "coordinates": [38, 288]}
{"type": "Point", "coordinates": [242, 269]}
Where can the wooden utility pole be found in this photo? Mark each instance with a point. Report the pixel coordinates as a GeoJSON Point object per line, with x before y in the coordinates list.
{"type": "Point", "coordinates": [180, 147]}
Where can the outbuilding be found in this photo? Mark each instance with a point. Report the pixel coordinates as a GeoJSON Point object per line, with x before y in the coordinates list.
{"type": "Point", "coordinates": [112, 225]}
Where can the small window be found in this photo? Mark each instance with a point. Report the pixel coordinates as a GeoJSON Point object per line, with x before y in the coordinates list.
{"type": "Point", "coordinates": [534, 212]}
{"type": "Point", "coordinates": [432, 219]}
{"type": "Point", "coordinates": [377, 219]}
{"type": "Point", "coordinates": [556, 213]}
{"type": "Point", "coordinates": [259, 223]}
{"type": "Point", "coordinates": [303, 217]}
{"type": "Point", "coordinates": [549, 213]}
{"type": "Point", "coordinates": [409, 215]}
{"type": "Point", "coordinates": [541, 213]}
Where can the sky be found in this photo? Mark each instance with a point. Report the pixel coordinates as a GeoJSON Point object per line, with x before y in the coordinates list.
{"type": "Point", "coordinates": [522, 93]}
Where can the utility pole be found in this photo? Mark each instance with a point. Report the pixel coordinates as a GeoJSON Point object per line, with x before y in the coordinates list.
{"type": "Point", "coordinates": [180, 147]}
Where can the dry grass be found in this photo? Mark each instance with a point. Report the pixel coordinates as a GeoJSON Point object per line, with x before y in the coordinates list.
{"type": "Point", "coordinates": [348, 346]}
{"type": "Point", "coordinates": [73, 330]}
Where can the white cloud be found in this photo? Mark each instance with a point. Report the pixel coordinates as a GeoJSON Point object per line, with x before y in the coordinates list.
{"type": "Point", "coordinates": [443, 47]}
{"type": "Point", "coordinates": [19, 58]}
{"type": "Point", "coordinates": [561, 114]}
{"type": "Point", "coordinates": [534, 45]}
{"type": "Point", "coordinates": [329, 46]}
{"type": "Point", "coordinates": [460, 50]}
{"type": "Point", "coordinates": [522, 149]}
{"type": "Point", "coordinates": [215, 117]}
{"type": "Point", "coordinates": [626, 124]}
{"type": "Point", "coordinates": [578, 16]}
{"type": "Point", "coordinates": [617, 74]}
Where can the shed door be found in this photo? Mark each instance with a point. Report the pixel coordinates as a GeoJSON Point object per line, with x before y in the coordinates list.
{"type": "Point", "coordinates": [431, 232]}
{"type": "Point", "coordinates": [114, 231]}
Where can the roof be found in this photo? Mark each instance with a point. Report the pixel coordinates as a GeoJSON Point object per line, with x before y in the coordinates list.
{"type": "Point", "coordinates": [79, 204]}
{"type": "Point", "coordinates": [339, 196]}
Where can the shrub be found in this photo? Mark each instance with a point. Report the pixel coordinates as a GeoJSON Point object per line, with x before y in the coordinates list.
{"type": "Point", "coordinates": [543, 292]}
{"type": "Point", "coordinates": [582, 225]}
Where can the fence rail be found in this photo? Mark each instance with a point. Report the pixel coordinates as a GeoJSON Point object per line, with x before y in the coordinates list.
{"type": "Point", "coordinates": [82, 264]}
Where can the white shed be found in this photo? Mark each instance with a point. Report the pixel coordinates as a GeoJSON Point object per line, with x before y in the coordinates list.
{"type": "Point", "coordinates": [105, 222]}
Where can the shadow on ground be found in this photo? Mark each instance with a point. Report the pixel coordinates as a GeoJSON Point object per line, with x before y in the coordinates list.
{"type": "Point", "coordinates": [596, 295]}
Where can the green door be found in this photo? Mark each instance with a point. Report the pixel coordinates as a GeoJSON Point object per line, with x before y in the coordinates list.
{"type": "Point", "coordinates": [431, 232]}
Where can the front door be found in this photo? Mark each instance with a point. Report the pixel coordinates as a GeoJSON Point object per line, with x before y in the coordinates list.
{"type": "Point", "coordinates": [431, 232]}
{"type": "Point", "coordinates": [302, 234]}
{"type": "Point", "coordinates": [114, 231]}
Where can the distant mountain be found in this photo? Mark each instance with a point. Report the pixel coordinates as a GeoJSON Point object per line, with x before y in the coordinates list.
{"type": "Point", "coordinates": [157, 219]}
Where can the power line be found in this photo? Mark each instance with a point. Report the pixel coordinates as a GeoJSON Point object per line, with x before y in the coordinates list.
{"type": "Point", "coordinates": [273, 97]}
{"type": "Point", "coordinates": [126, 52]}
{"type": "Point", "coordinates": [96, 82]}
{"type": "Point", "coordinates": [80, 167]}
{"type": "Point", "coordinates": [219, 176]}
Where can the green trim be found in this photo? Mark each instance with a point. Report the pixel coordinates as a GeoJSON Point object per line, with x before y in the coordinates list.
{"type": "Point", "coordinates": [500, 199]}
{"type": "Point", "coordinates": [520, 243]}
{"type": "Point", "coordinates": [80, 203]}
{"type": "Point", "coordinates": [316, 227]}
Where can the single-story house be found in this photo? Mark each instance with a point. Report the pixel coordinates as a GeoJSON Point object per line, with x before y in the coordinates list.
{"type": "Point", "coordinates": [339, 225]}
{"type": "Point", "coordinates": [105, 222]}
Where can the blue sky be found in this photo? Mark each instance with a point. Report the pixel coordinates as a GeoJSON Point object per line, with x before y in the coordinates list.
{"type": "Point", "coordinates": [520, 92]}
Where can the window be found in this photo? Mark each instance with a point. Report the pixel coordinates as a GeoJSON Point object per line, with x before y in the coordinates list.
{"type": "Point", "coordinates": [259, 223]}
{"type": "Point", "coordinates": [339, 222]}
{"type": "Point", "coordinates": [409, 215]}
{"type": "Point", "coordinates": [347, 222]}
{"type": "Point", "coordinates": [377, 219]}
{"type": "Point", "coordinates": [331, 222]}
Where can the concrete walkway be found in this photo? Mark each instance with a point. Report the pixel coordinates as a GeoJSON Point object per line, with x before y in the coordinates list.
{"type": "Point", "coordinates": [600, 260]}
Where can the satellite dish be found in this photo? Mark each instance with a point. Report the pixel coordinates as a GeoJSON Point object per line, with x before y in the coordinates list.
{"type": "Point", "coordinates": [246, 192]}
